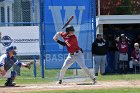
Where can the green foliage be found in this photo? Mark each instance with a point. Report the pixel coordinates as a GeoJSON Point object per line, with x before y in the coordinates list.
{"type": "Point", "coordinates": [120, 7]}
{"type": "Point", "coordinates": [124, 9]}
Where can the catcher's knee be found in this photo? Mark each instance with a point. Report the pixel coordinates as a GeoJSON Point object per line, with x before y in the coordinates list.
{"type": "Point", "coordinates": [19, 64]}
{"type": "Point", "coordinates": [13, 74]}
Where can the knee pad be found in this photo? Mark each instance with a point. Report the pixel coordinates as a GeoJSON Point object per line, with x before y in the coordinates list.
{"type": "Point", "coordinates": [13, 74]}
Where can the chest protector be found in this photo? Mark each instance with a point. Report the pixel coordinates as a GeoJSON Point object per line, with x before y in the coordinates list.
{"type": "Point", "coordinates": [9, 62]}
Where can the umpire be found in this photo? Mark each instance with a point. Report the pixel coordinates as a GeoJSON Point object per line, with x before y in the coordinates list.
{"type": "Point", "coordinates": [99, 51]}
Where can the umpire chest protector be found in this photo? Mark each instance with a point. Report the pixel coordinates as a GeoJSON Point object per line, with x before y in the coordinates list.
{"type": "Point", "coordinates": [9, 62]}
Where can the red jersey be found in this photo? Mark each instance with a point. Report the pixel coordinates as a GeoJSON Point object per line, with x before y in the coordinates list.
{"type": "Point", "coordinates": [135, 54]}
{"type": "Point", "coordinates": [71, 42]}
{"type": "Point", "coordinates": [122, 47]}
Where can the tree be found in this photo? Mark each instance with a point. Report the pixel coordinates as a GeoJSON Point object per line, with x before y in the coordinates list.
{"type": "Point", "coordinates": [119, 7]}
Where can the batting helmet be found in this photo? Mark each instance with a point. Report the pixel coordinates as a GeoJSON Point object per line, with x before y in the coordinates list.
{"type": "Point", "coordinates": [69, 28]}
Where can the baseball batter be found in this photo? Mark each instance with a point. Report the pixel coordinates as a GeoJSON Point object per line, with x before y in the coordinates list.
{"type": "Point", "coordinates": [75, 52]}
{"type": "Point", "coordinates": [7, 61]}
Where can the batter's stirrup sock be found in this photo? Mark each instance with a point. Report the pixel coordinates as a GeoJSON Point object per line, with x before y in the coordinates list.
{"type": "Point", "coordinates": [10, 82]}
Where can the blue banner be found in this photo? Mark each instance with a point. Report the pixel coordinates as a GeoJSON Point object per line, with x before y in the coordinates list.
{"type": "Point", "coordinates": [56, 13]}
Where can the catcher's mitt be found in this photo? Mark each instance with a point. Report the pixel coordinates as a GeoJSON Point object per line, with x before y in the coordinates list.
{"type": "Point", "coordinates": [29, 65]}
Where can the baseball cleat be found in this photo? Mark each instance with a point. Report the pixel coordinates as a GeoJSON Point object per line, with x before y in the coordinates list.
{"type": "Point", "coordinates": [10, 84]}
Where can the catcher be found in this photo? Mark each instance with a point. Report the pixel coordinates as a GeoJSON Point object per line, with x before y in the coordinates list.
{"type": "Point", "coordinates": [7, 61]}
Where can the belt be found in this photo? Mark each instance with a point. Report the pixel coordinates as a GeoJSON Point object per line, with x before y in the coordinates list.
{"type": "Point", "coordinates": [77, 51]}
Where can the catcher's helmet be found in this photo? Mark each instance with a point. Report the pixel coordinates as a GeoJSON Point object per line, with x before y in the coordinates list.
{"type": "Point", "coordinates": [69, 28]}
{"type": "Point", "coordinates": [11, 48]}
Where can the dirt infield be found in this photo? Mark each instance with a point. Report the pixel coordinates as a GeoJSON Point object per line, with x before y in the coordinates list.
{"type": "Point", "coordinates": [70, 86]}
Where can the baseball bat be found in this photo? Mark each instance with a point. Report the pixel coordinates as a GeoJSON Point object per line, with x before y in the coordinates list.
{"type": "Point", "coordinates": [68, 22]}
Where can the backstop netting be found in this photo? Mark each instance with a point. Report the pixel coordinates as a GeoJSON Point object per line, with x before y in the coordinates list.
{"type": "Point", "coordinates": [56, 13]}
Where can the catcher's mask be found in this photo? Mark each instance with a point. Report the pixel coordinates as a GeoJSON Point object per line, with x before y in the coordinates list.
{"type": "Point", "coordinates": [69, 28]}
{"type": "Point", "coordinates": [11, 48]}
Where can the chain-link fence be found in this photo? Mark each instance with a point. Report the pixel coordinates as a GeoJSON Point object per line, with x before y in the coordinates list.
{"type": "Point", "coordinates": [19, 12]}
{"type": "Point", "coordinates": [19, 26]}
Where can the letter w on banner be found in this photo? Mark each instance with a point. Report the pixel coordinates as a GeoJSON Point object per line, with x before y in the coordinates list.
{"type": "Point", "coordinates": [56, 13]}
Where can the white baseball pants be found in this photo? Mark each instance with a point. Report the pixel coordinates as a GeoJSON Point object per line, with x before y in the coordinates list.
{"type": "Point", "coordinates": [77, 57]}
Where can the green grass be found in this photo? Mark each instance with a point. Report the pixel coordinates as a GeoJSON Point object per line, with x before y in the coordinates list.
{"type": "Point", "coordinates": [52, 76]}
{"type": "Point", "coordinates": [27, 76]}
{"type": "Point", "coordinates": [116, 90]}
{"type": "Point", "coordinates": [119, 77]}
